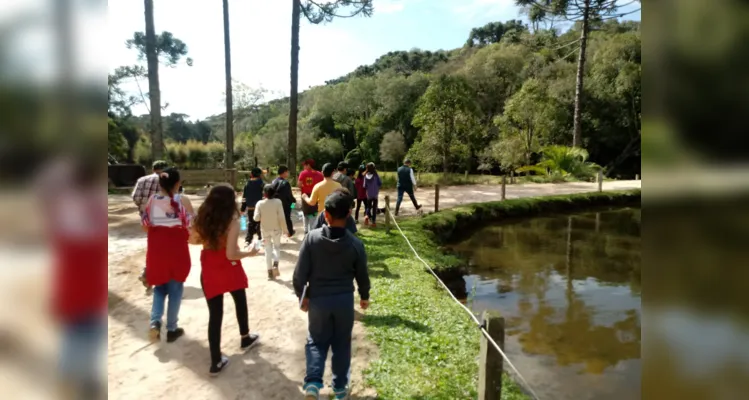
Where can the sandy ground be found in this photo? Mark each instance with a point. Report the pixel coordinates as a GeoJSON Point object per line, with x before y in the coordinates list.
{"type": "Point", "coordinates": [274, 369]}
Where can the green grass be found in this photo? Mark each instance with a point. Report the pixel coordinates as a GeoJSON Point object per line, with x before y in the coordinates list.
{"type": "Point", "coordinates": [428, 345]}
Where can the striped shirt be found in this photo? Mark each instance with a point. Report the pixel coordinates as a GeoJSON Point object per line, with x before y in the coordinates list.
{"type": "Point", "coordinates": [145, 187]}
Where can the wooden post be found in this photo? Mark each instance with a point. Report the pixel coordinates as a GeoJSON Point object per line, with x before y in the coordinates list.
{"type": "Point", "coordinates": [637, 177]}
{"type": "Point", "coordinates": [512, 176]}
{"type": "Point", "coordinates": [491, 362]}
{"type": "Point", "coordinates": [436, 198]}
{"type": "Point", "coordinates": [600, 181]}
{"type": "Point", "coordinates": [387, 214]}
{"type": "Point", "coordinates": [504, 183]}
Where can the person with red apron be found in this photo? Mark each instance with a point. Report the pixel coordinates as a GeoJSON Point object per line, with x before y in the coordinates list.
{"type": "Point", "coordinates": [167, 219]}
{"type": "Point", "coordinates": [216, 227]}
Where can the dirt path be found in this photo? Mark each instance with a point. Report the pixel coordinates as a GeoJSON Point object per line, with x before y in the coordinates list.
{"type": "Point", "coordinates": [273, 370]}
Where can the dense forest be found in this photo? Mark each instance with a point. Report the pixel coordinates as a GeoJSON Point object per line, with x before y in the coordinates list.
{"type": "Point", "coordinates": [504, 101]}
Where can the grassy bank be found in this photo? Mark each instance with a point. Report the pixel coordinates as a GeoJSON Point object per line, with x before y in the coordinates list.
{"type": "Point", "coordinates": [428, 346]}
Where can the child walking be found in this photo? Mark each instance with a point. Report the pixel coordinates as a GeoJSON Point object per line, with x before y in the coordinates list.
{"type": "Point", "coordinates": [217, 229]}
{"type": "Point", "coordinates": [167, 218]}
{"type": "Point", "coordinates": [253, 192]}
{"type": "Point", "coordinates": [372, 184]}
{"type": "Point", "coordinates": [361, 192]}
{"type": "Point", "coordinates": [270, 213]}
{"type": "Point", "coordinates": [330, 259]}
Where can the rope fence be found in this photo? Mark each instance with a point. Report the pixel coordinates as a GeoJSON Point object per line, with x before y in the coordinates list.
{"type": "Point", "coordinates": [478, 323]}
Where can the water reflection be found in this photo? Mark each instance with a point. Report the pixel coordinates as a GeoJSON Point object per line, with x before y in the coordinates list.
{"type": "Point", "coordinates": [569, 288]}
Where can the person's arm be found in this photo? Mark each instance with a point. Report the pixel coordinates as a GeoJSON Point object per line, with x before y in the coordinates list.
{"type": "Point", "coordinates": [281, 218]}
{"type": "Point", "coordinates": [313, 198]}
{"type": "Point", "coordinates": [194, 237]}
{"type": "Point", "coordinates": [413, 178]}
{"type": "Point", "coordinates": [245, 194]}
{"type": "Point", "coordinates": [303, 268]}
{"type": "Point", "coordinates": [232, 248]}
{"type": "Point", "coordinates": [379, 181]}
{"type": "Point", "coordinates": [145, 217]}
{"type": "Point", "coordinates": [362, 276]}
{"type": "Point", "coordinates": [256, 216]}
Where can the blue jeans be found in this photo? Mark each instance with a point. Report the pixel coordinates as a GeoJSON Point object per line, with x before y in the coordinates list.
{"type": "Point", "coordinates": [331, 320]}
{"type": "Point", "coordinates": [81, 348]}
{"type": "Point", "coordinates": [173, 289]}
{"type": "Point", "coordinates": [410, 192]}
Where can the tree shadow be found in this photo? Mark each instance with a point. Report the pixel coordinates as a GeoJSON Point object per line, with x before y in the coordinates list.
{"type": "Point", "coordinates": [381, 270]}
{"type": "Point", "coordinates": [196, 357]}
{"type": "Point", "coordinates": [390, 320]}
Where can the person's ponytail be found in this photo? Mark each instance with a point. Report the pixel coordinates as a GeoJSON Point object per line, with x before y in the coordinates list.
{"type": "Point", "coordinates": [167, 180]}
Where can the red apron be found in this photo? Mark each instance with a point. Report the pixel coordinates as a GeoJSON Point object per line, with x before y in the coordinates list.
{"type": "Point", "coordinates": [220, 275]}
{"type": "Point", "coordinates": [167, 255]}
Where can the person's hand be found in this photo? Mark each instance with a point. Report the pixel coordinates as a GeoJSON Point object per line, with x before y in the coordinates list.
{"type": "Point", "coordinates": [364, 304]}
{"type": "Point", "coordinates": [305, 305]}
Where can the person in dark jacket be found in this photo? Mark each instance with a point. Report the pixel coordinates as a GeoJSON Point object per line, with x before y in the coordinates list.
{"type": "Point", "coordinates": [330, 259]}
{"type": "Point", "coordinates": [406, 184]}
{"type": "Point", "coordinates": [361, 193]}
{"type": "Point", "coordinates": [320, 221]}
{"type": "Point", "coordinates": [283, 192]}
{"type": "Point", "coordinates": [344, 178]}
{"type": "Point", "coordinates": [253, 192]}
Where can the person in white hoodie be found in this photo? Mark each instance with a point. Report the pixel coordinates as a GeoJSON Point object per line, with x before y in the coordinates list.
{"type": "Point", "coordinates": [269, 212]}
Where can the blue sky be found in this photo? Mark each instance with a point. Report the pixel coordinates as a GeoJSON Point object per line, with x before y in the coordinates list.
{"type": "Point", "coordinates": [260, 36]}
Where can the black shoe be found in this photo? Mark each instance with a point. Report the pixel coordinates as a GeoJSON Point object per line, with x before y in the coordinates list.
{"type": "Point", "coordinates": [270, 275]}
{"type": "Point", "coordinates": [171, 336]}
{"type": "Point", "coordinates": [418, 207]}
{"type": "Point", "coordinates": [249, 341]}
{"type": "Point", "coordinates": [154, 333]}
{"type": "Point", "coordinates": [220, 366]}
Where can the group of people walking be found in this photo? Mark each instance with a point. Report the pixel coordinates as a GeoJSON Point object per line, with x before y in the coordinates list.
{"type": "Point", "coordinates": [330, 259]}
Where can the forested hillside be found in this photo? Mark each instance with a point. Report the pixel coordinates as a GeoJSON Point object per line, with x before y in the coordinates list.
{"type": "Point", "coordinates": [489, 106]}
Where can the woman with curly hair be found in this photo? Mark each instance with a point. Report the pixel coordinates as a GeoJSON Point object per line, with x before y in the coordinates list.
{"type": "Point", "coordinates": [216, 227]}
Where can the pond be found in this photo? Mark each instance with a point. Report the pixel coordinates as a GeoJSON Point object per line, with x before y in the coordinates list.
{"type": "Point", "coordinates": [569, 289]}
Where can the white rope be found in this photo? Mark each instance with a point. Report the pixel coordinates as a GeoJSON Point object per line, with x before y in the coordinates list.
{"type": "Point", "coordinates": [475, 320]}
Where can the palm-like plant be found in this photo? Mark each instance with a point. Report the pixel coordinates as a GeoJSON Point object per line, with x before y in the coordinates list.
{"type": "Point", "coordinates": [563, 161]}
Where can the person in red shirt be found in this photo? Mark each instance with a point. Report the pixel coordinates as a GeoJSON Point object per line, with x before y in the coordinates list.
{"type": "Point", "coordinates": [307, 180]}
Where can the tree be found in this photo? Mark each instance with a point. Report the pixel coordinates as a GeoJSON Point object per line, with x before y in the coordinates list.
{"type": "Point", "coordinates": [493, 32]}
{"type": "Point", "coordinates": [229, 124]}
{"type": "Point", "coordinates": [157, 140]}
{"type": "Point", "coordinates": [586, 12]}
{"type": "Point", "coordinates": [315, 13]}
{"type": "Point", "coordinates": [448, 116]}
{"type": "Point", "coordinates": [530, 113]}
{"type": "Point", "coordinates": [393, 147]}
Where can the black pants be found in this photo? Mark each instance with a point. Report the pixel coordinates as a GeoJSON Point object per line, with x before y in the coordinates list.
{"type": "Point", "coordinates": [216, 317]}
{"type": "Point", "coordinates": [372, 210]}
{"type": "Point", "coordinates": [289, 222]}
{"type": "Point", "coordinates": [359, 202]}
{"type": "Point", "coordinates": [253, 227]}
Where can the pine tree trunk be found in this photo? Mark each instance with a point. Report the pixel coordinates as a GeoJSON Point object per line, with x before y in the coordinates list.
{"type": "Point", "coordinates": [293, 94]}
{"type": "Point", "coordinates": [577, 128]}
{"type": "Point", "coordinates": [152, 57]}
{"type": "Point", "coordinates": [229, 160]}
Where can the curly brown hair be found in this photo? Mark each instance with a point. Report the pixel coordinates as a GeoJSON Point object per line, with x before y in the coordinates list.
{"type": "Point", "coordinates": [216, 214]}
